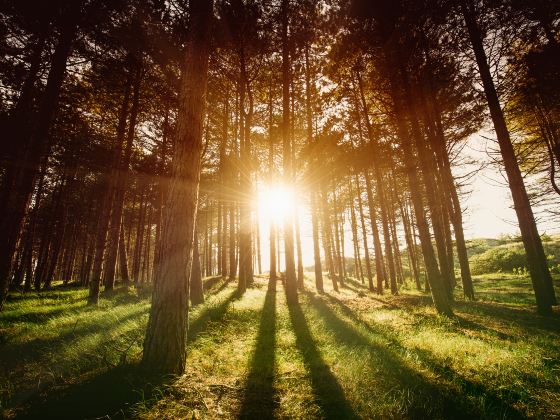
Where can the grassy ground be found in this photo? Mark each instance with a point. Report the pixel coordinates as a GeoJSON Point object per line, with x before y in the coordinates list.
{"type": "Point", "coordinates": [338, 355]}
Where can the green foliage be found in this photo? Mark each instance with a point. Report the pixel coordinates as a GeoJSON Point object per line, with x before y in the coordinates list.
{"type": "Point", "coordinates": [511, 258]}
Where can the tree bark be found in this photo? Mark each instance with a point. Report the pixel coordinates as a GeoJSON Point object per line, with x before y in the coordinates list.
{"type": "Point", "coordinates": [165, 343]}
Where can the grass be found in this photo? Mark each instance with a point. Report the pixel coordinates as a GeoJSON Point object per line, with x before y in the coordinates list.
{"type": "Point", "coordinates": [351, 354]}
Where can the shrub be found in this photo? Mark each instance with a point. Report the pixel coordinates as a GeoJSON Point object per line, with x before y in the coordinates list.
{"type": "Point", "coordinates": [511, 258]}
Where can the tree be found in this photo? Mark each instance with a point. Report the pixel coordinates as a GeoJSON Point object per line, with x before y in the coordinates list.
{"type": "Point", "coordinates": [164, 346]}
{"type": "Point", "coordinates": [536, 258]}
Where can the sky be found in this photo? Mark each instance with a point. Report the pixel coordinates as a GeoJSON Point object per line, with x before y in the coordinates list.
{"type": "Point", "coordinates": [488, 206]}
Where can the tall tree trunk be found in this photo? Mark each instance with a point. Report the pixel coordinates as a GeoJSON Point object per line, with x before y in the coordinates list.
{"type": "Point", "coordinates": [140, 225]}
{"type": "Point", "coordinates": [411, 247]}
{"type": "Point", "coordinates": [108, 194]}
{"type": "Point", "coordinates": [196, 292]}
{"type": "Point", "coordinates": [313, 198]}
{"type": "Point", "coordinates": [380, 193]}
{"type": "Point", "coordinates": [245, 227]}
{"type": "Point", "coordinates": [316, 244]}
{"type": "Point", "coordinates": [337, 240]}
{"type": "Point", "coordinates": [327, 235]}
{"type": "Point", "coordinates": [357, 260]}
{"type": "Point", "coordinates": [439, 293]}
{"type": "Point", "coordinates": [123, 259]}
{"type": "Point", "coordinates": [121, 176]}
{"type": "Point", "coordinates": [379, 266]}
{"type": "Point", "coordinates": [364, 237]}
{"type": "Point", "coordinates": [536, 258]}
{"type": "Point", "coordinates": [290, 278]}
{"type": "Point", "coordinates": [164, 346]}
{"type": "Point", "coordinates": [300, 275]}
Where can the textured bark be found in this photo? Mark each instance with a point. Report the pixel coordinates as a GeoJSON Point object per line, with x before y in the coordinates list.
{"type": "Point", "coordinates": [379, 266]}
{"type": "Point", "coordinates": [327, 236]}
{"type": "Point", "coordinates": [300, 276]}
{"type": "Point", "coordinates": [232, 242]}
{"type": "Point", "coordinates": [536, 258]}
{"type": "Point", "coordinates": [140, 225]}
{"type": "Point", "coordinates": [165, 343]}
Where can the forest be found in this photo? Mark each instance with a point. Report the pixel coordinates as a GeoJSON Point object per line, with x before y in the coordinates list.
{"type": "Point", "coordinates": [262, 209]}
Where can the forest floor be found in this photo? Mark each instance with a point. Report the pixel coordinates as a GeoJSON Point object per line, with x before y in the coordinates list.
{"type": "Point", "coordinates": [350, 354]}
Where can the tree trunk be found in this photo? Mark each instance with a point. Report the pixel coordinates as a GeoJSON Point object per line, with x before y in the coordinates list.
{"type": "Point", "coordinates": [164, 346]}
{"type": "Point", "coordinates": [121, 176]}
{"type": "Point", "coordinates": [196, 292]}
{"type": "Point", "coordinates": [123, 259]}
{"type": "Point", "coordinates": [439, 293]}
{"type": "Point", "coordinates": [536, 258]}
{"type": "Point", "coordinates": [316, 244]}
{"type": "Point", "coordinates": [364, 236]}
{"type": "Point", "coordinates": [312, 193]}
{"type": "Point", "coordinates": [290, 278]}
{"type": "Point", "coordinates": [108, 182]}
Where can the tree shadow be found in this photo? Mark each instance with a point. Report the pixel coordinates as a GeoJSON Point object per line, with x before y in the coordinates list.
{"type": "Point", "coordinates": [427, 399]}
{"type": "Point", "coordinates": [110, 395]}
{"type": "Point", "coordinates": [531, 322]}
{"type": "Point", "coordinates": [212, 282]}
{"type": "Point", "coordinates": [211, 313]}
{"type": "Point", "coordinates": [260, 399]}
{"type": "Point", "coordinates": [34, 349]}
{"type": "Point", "coordinates": [328, 391]}
{"type": "Point", "coordinates": [357, 285]}
{"type": "Point", "coordinates": [36, 317]}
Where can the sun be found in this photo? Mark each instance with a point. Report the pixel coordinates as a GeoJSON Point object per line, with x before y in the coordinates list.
{"type": "Point", "coordinates": [276, 202]}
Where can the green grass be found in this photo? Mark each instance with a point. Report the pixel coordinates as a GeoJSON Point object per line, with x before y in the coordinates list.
{"type": "Point", "coordinates": [351, 354]}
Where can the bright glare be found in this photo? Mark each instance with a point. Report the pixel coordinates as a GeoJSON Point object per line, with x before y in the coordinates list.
{"type": "Point", "coordinates": [275, 203]}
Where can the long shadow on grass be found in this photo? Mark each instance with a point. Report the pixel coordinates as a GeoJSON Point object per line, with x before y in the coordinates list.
{"type": "Point", "coordinates": [260, 400]}
{"type": "Point", "coordinates": [35, 317]}
{"type": "Point", "coordinates": [328, 392]}
{"type": "Point", "coordinates": [428, 399]}
{"type": "Point", "coordinates": [34, 349]}
{"type": "Point", "coordinates": [110, 395]}
{"type": "Point", "coordinates": [212, 282]}
{"type": "Point", "coordinates": [212, 313]}
{"type": "Point", "coordinates": [114, 392]}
